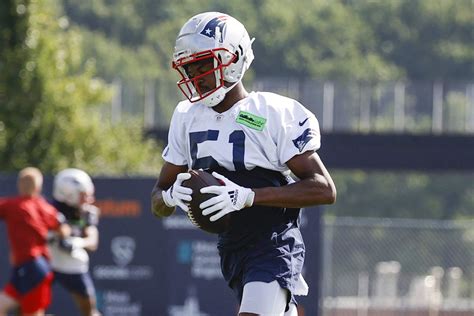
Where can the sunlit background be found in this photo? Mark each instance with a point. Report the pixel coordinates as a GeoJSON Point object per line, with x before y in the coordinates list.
{"type": "Point", "coordinates": [88, 84]}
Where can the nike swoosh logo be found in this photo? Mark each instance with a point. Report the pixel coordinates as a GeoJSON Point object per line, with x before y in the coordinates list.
{"type": "Point", "coordinates": [302, 123]}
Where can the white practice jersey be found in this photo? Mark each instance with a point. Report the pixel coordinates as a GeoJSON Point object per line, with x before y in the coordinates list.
{"type": "Point", "coordinates": [263, 130]}
{"type": "Point", "coordinates": [75, 262]}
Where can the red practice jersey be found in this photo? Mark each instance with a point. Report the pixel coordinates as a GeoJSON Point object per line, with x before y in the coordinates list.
{"type": "Point", "coordinates": [28, 220]}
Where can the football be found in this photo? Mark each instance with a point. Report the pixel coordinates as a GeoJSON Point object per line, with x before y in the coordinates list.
{"type": "Point", "coordinates": [201, 179]}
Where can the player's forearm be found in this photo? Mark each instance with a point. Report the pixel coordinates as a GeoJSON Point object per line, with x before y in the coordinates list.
{"type": "Point", "coordinates": [158, 206]}
{"type": "Point", "coordinates": [313, 191]}
{"type": "Point", "coordinates": [91, 240]}
{"type": "Point", "coordinates": [63, 230]}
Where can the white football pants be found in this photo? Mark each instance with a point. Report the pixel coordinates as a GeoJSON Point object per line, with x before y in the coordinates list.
{"type": "Point", "coordinates": [266, 299]}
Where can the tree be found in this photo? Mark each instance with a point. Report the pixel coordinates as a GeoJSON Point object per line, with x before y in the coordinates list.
{"type": "Point", "coordinates": [429, 39]}
{"type": "Point", "coordinates": [322, 39]}
{"type": "Point", "coordinates": [50, 96]}
{"type": "Point", "coordinates": [403, 194]}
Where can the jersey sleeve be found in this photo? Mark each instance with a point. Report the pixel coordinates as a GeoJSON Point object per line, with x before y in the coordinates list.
{"type": "Point", "coordinates": [299, 132]}
{"type": "Point", "coordinates": [175, 152]}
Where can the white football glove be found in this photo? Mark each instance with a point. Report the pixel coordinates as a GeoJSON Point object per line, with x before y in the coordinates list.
{"type": "Point", "coordinates": [177, 195]}
{"type": "Point", "coordinates": [70, 244]}
{"type": "Point", "coordinates": [230, 198]}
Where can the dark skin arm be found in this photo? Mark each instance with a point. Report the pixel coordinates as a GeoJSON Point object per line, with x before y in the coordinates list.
{"type": "Point", "coordinates": [315, 186]}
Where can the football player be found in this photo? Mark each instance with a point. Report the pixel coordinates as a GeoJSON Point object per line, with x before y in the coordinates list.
{"type": "Point", "coordinates": [252, 141]}
{"type": "Point", "coordinates": [73, 195]}
{"type": "Point", "coordinates": [28, 218]}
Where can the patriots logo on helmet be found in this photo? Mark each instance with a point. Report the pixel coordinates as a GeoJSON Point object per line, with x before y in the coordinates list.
{"type": "Point", "coordinates": [301, 141]}
{"type": "Point", "coordinates": [210, 29]}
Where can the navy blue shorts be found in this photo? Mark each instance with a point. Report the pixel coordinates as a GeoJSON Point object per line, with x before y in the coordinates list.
{"type": "Point", "coordinates": [80, 283]}
{"type": "Point", "coordinates": [30, 285]}
{"type": "Point", "coordinates": [277, 255]}
{"type": "Point", "coordinates": [28, 275]}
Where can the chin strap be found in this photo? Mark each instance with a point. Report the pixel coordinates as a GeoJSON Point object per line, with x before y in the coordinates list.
{"type": "Point", "coordinates": [211, 101]}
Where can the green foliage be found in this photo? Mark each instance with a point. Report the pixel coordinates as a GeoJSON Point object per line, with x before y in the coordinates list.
{"type": "Point", "coordinates": [314, 38]}
{"type": "Point", "coordinates": [120, 149]}
{"type": "Point", "coordinates": [317, 39]}
{"type": "Point", "coordinates": [427, 38]}
{"type": "Point", "coordinates": [404, 194]}
{"type": "Point", "coordinates": [365, 40]}
{"type": "Point", "coordinates": [126, 62]}
{"type": "Point", "coordinates": [49, 114]}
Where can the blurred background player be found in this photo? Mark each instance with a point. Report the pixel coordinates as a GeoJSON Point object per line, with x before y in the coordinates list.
{"type": "Point", "coordinates": [73, 195]}
{"type": "Point", "coordinates": [28, 218]}
{"type": "Point", "coordinates": [252, 142]}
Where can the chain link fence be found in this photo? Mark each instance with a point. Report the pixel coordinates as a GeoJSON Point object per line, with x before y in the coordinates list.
{"type": "Point", "coordinates": [350, 106]}
{"type": "Point", "coordinates": [398, 267]}
{"type": "Point", "coordinates": [391, 106]}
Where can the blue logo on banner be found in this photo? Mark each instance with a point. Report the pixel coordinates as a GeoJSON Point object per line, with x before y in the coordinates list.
{"type": "Point", "coordinates": [184, 252]}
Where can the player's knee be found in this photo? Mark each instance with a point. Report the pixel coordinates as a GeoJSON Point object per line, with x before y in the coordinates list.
{"type": "Point", "coordinates": [6, 303]}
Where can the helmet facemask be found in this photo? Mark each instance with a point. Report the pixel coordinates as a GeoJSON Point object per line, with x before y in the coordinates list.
{"type": "Point", "coordinates": [211, 66]}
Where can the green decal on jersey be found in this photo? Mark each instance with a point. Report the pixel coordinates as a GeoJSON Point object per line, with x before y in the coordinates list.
{"type": "Point", "coordinates": [78, 222]}
{"type": "Point", "coordinates": [251, 120]}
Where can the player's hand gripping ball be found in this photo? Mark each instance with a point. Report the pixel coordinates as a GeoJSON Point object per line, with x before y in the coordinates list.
{"type": "Point", "coordinates": [201, 179]}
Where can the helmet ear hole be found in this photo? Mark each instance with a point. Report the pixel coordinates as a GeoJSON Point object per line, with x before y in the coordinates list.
{"type": "Point", "coordinates": [238, 54]}
{"type": "Point", "coordinates": [237, 57]}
